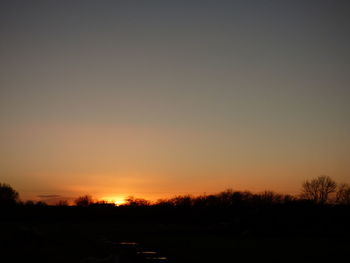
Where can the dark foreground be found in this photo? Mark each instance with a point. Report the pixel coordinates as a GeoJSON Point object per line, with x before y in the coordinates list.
{"type": "Point", "coordinates": [277, 233]}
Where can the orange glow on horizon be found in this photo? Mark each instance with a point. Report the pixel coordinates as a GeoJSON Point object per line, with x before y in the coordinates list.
{"type": "Point", "coordinates": [117, 200]}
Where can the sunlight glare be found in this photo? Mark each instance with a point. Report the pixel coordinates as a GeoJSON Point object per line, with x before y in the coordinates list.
{"type": "Point", "coordinates": [117, 200]}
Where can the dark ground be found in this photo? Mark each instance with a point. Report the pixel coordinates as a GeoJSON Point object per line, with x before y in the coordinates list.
{"type": "Point", "coordinates": [277, 233]}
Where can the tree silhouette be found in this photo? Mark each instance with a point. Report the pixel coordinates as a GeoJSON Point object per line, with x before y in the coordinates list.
{"type": "Point", "coordinates": [343, 194]}
{"type": "Point", "coordinates": [318, 189]}
{"type": "Point", "coordinates": [8, 196]}
{"type": "Point", "coordinates": [132, 201]}
{"type": "Point", "coordinates": [62, 203]}
{"type": "Point", "coordinates": [84, 201]}
{"type": "Point", "coordinates": [270, 197]}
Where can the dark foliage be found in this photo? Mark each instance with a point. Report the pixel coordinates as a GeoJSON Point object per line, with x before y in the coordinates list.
{"type": "Point", "coordinates": [8, 196]}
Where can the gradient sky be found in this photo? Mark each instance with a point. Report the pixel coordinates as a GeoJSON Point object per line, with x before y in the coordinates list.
{"type": "Point", "coordinates": [157, 98]}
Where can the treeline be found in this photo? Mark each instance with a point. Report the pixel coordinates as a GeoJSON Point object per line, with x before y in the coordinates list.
{"type": "Point", "coordinates": [321, 190]}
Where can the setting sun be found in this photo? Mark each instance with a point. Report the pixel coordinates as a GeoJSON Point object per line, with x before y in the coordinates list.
{"type": "Point", "coordinates": [117, 200]}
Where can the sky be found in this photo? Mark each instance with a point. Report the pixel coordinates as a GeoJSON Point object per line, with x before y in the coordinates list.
{"type": "Point", "coordinates": [159, 98]}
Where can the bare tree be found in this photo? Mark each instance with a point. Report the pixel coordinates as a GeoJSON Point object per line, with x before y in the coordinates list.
{"type": "Point", "coordinates": [318, 189]}
{"type": "Point", "coordinates": [343, 194]}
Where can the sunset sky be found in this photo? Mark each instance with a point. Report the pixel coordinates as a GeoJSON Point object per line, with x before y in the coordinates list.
{"type": "Point", "coordinates": [159, 98]}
